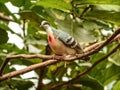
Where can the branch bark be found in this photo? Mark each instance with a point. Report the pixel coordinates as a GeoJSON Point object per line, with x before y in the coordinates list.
{"type": "Point", "coordinates": [5, 18]}
{"type": "Point", "coordinates": [42, 70]}
{"type": "Point", "coordinates": [29, 68]}
{"type": "Point", "coordinates": [85, 10]}
{"type": "Point", "coordinates": [9, 57]}
{"type": "Point", "coordinates": [3, 66]}
{"type": "Point", "coordinates": [87, 70]}
{"type": "Point", "coordinates": [90, 51]}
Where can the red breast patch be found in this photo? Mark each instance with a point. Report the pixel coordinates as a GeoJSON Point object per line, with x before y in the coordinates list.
{"type": "Point", "coordinates": [50, 38]}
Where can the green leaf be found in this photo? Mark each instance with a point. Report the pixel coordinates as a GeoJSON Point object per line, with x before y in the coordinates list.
{"type": "Point", "coordinates": [8, 47]}
{"type": "Point", "coordinates": [56, 4]}
{"type": "Point", "coordinates": [97, 72]}
{"type": "Point", "coordinates": [110, 74]}
{"type": "Point", "coordinates": [116, 86]}
{"type": "Point", "coordinates": [3, 36]}
{"type": "Point", "coordinates": [34, 18]}
{"type": "Point", "coordinates": [4, 26]}
{"type": "Point", "coordinates": [20, 3]}
{"type": "Point", "coordinates": [3, 1]}
{"type": "Point", "coordinates": [112, 8]}
{"type": "Point", "coordinates": [75, 29]}
{"type": "Point", "coordinates": [115, 58]}
{"type": "Point", "coordinates": [116, 2]}
{"type": "Point", "coordinates": [43, 13]}
{"type": "Point", "coordinates": [56, 14]}
{"type": "Point", "coordinates": [112, 17]}
{"type": "Point", "coordinates": [21, 84]}
{"type": "Point", "coordinates": [4, 9]}
{"type": "Point", "coordinates": [90, 82]}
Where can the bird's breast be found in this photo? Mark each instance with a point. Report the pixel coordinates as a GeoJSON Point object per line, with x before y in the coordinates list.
{"type": "Point", "coordinates": [50, 39]}
{"type": "Point", "coordinates": [58, 47]}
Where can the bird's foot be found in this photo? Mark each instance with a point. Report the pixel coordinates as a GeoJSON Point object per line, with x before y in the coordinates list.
{"type": "Point", "coordinates": [61, 57]}
{"type": "Point", "coordinates": [58, 57]}
{"type": "Point", "coordinates": [54, 57]}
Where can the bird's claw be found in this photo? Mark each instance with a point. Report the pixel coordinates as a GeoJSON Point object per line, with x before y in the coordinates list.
{"type": "Point", "coordinates": [58, 57]}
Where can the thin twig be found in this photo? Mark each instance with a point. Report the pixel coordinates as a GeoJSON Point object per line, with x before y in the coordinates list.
{"type": "Point", "coordinates": [92, 47]}
{"type": "Point", "coordinates": [117, 38]}
{"type": "Point", "coordinates": [85, 10]}
{"type": "Point", "coordinates": [5, 18]}
{"type": "Point", "coordinates": [110, 39]}
{"type": "Point", "coordinates": [9, 57]}
{"type": "Point", "coordinates": [29, 68]}
{"type": "Point", "coordinates": [26, 56]}
{"type": "Point", "coordinates": [42, 70]}
{"type": "Point", "coordinates": [3, 66]}
{"type": "Point", "coordinates": [87, 70]}
{"type": "Point", "coordinates": [24, 34]}
{"type": "Point", "coordinates": [57, 58]}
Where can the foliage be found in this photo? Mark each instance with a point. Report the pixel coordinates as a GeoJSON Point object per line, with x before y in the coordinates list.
{"type": "Point", "coordinates": [88, 21]}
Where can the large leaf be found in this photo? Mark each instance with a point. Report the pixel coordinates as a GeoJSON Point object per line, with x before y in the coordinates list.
{"type": "Point", "coordinates": [112, 17]}
{"type": "Point", "coordinates": [75, 29]}
{"type": "Point", "coordinates": [3, 36]}
{"type": "Point", "coordinates": [116, 2]}
{"type": "Point", "coordinates": [3, 1]}
{"type": "Point", "coordinates": [115, 58]}
{"type": "Point", "coordinates": [110, 74]}
{"type": "Point", "coordinates": [112, 8]}
{"type": "Point", "coordinates": [34, 18]}
{"type": "Point", "coordinates": [116, 86]}
{"type": "Point", "coordinates": [57, 4]}
{"type": "Point", "coordinates": [21, 84]}
{"type": "Point", "coordinates": [97, 72]}
{"type": "Point", "coordinates": [90, 82]}
{"type": "Point", "coordinates": [20, 3]}
{"type": "Point", "coordinates": [4, 9]}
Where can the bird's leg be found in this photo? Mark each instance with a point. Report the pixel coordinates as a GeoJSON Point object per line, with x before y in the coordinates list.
{"type": "Point", "coordinates": [58, 57]}
{"type": "Point", "coordinates": [53, 56]}
{"type": "Point", "coordinates": [66, 56]}
{"type": "Point", "coordinates": [61, 58]}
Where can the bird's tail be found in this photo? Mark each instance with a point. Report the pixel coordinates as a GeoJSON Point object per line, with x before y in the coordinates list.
{"type": "Point", "coordinates": [80, 51]}
{"type": "Point", "coordinates": [86, 58]}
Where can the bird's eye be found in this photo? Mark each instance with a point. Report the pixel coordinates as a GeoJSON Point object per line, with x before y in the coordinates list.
{"type": "Point", "coordinates": [45, 23]}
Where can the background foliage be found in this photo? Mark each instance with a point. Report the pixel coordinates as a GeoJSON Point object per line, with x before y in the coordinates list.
{"type": "Point", "coordinates": [88, 21]}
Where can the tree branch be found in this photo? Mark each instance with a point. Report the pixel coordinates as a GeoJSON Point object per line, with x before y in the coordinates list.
{"type": "Point", "coordinates": [5, 18]}
{"type": "Point", "coordinates": [113, 37]}
{"type": "Point", "coordinates": [42, 70]}
{"type": "Point", "coordinates": [3, 66]}
{"type": "Point", "coordinates": [9, 57]}
{"type": "Point", "coordinates": [24, 35]}
{"type": "Point", "coordinates": [99, 43]}
{"type": "Point", "coordinates": [29, 68]}
{"type": "Point", "coordinates": [87, 70]}
{"type": "Point", "coordinates": [85, 10]}
{"type": "Point", "coordinates": [100, 46]}
{"type": "Point", "coordinates": [108, 40]}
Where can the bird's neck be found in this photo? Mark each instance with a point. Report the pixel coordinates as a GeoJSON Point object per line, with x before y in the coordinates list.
{"type": "Point", "coordinates": [51, 37]}
{"type": "Point", "coordinates": [48, 30]}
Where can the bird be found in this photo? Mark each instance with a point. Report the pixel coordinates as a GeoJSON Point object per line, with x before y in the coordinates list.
{"type": "Point", "coordinates": [61, 42]}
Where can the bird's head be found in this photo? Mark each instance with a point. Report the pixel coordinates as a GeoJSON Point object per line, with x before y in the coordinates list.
{"type": "Point", "coordinates": [45, 24]}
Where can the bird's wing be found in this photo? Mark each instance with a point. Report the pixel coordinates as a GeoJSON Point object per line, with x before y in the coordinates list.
{"type": "Point", "coordinates": [67, 40]}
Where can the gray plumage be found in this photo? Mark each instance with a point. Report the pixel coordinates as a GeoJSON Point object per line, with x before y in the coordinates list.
{"type": "Point", "coordinates": [61, 42]}
{"type": "Point", "coordinates": [67, 39]}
